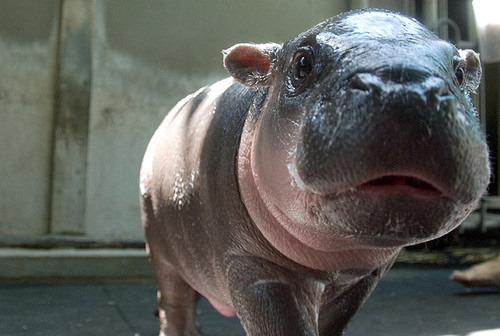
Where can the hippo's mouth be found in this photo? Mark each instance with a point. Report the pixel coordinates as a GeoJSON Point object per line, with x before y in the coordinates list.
{"type": "Point", "coordinates": [408, 185]}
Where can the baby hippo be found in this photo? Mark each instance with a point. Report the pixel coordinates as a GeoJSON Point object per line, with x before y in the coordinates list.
{"type": "Point", "coordinates": [285, 192]}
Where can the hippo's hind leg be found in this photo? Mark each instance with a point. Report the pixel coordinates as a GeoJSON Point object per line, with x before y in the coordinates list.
{"type": "Point", "coordinates": [176, 299]}
{"type": "Point", "coordinates": [176, 303]}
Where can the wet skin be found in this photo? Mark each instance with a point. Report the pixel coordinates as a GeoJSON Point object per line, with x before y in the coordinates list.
{"type": "Point", "coordinates": [285, 192]}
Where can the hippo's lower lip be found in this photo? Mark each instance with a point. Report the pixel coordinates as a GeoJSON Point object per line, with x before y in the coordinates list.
{"type": "Point", "coordinates": [402, 184]}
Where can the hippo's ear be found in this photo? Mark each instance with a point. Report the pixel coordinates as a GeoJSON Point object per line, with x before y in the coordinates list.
{"type": "Point", "coordinates": [251, 64]}
{"type": "Point", "coordinates": [471, 65]}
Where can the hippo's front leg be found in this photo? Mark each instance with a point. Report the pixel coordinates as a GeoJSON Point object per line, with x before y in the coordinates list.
{"type": "Point", "coordinates": [272, 301]}
{"type": "Point", "coordinates": [340, 302]}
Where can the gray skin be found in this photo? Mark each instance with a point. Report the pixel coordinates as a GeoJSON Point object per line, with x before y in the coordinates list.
{"type": "Point", "coordinates": [285, 192]}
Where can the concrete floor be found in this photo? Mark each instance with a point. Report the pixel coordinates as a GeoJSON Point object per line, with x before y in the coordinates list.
{"type": "Point", "coordinates": [407, 302]}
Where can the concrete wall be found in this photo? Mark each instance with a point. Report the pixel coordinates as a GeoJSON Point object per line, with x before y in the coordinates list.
{"type": "Point", "coordinates": [28, 43]}
{"type": "Point", "coordinates": [145, 56]}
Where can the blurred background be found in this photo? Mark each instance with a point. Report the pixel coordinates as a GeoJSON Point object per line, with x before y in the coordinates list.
{"type": "Point", "coordinates": [84, 84]}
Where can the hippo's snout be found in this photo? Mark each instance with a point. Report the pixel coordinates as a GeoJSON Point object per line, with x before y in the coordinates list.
{"type": "Point", "coordinates": [403, 123]}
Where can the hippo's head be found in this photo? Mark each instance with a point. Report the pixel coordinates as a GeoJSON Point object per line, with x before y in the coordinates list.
{"type": "Point", "coordinates": [367, 134]}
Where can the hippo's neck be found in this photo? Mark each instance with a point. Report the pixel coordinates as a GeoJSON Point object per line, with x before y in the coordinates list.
{"type": "Point", "coordinates": [272, 223]}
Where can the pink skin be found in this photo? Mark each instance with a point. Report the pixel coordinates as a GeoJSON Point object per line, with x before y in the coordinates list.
{"type": "Point", "coordinates": [401, 184]}
{"type": "Point", "coordinates": [222, 308]}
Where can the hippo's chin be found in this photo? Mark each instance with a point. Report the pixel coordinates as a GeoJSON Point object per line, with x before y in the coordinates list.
{"type": "Point", "coordinates": [388, 215]}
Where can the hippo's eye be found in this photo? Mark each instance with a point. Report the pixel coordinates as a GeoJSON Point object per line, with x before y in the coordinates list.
{"type": "Point", "coordinates": [460, 74]}
{"type": "Point", "coordinates": [303, 67]}
{"type": "Point", "coordinates": [459, 70]}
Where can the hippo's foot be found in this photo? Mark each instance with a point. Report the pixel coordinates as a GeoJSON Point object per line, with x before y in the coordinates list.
{"type": "Point", "coordinates": [486, 274]}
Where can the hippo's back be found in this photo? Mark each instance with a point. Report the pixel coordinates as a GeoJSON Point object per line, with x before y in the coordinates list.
{"type": "Point", "coordinates": [188, 182]}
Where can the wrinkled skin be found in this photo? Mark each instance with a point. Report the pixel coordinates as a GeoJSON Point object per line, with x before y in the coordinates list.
{"type": "Point", "coordinates": [285, 192]}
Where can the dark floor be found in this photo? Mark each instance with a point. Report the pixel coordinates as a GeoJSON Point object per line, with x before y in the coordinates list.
{"type": "Point", "coordinates": [408, 301]}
